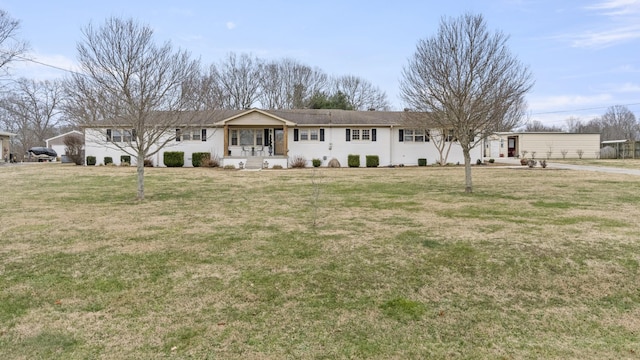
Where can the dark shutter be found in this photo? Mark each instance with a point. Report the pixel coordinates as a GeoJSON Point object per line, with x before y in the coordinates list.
{"type": "Point", "coordinates": [427, 135]}
{"type": "Point", "coordinates": [266, 140]}
{"type": "Point", "coordinates": [348, 135]}
{"type": "Point", "coordinates": [204, 135]}
{"type": "Point", "coordinates": [401, 137]}
{"type": "Point", "coordinates": [108, 134]}
{"type": "Point", "coordinates": [177, 134]}
{"type": "Point", "coordinates": [373, 135]}
{"type": "Point", "coordinates": [295, 134]}
{"type": "Point", "coordinates": [321, 134]}
{"type": "Point", "coordinates": [133, 135]}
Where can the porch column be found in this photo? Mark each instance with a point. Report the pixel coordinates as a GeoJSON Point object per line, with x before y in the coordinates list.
{"type": "Point", "coordinates": [285, 131]}
{"type": "Point", "coordinates": [226, 141]}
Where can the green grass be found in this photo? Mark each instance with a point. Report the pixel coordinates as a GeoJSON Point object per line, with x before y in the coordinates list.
{"type": "Point", "coordinates": [325, 263]}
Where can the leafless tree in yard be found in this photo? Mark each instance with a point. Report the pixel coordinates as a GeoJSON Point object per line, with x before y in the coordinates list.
{"type": "Point", "coordinates": [32, 109]}
{"type": "Point", "coordinates": [466, 78]}
{"type": "Point", "coordinates": [130, 84]}
{"type": "Point", "coordinates": [361, 94]}
{"type": "Point", "coordinates": [11, 47]}
{"type": "Point", "coordinates": [74, 144]}
{"type": "Point", "coordinates": [619, 123]}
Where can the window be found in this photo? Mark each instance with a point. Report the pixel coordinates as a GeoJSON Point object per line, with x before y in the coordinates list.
{"type": "Point", "coordinates": [118, 135]}
{"type": "Point", "coordinates": [191, 134]}
{"type": "Point", "coordinates": [246, 137]}
{"type": "Point", "coordinates": [450, 136]}
{"type": "Point", "coordinates": [411, 135]}
{"type": "Point", "coordinates": [234, 137]}
{"type": "Point", "coordinates": [366, 134]}
{"type": "Point", "coordinates": [357, 135]}
{"type": "Point", "coordinates": [308, 135]}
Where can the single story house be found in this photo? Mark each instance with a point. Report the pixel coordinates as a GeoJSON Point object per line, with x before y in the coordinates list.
{"type": "Point", "coordinates": [263, 138]}
{"type": "Point", "coordinates": [5, 145]}
{"type": "Point", "coordinates": [57, 144]}
{"type": "Point", "coordinates": [543, 145]}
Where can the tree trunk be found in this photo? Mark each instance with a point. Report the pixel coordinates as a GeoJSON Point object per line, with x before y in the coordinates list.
{"type": "Point", "coordinates": [140, 167]}
{"type": "Point", "coordinates": [468, 188]}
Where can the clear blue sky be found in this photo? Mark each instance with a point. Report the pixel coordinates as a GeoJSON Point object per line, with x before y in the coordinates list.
{"type": "Point", "coordinates": [583, 54]}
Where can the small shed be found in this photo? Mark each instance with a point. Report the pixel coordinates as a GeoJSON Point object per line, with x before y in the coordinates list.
{"type": "Point", "coordinates": [623, 149]}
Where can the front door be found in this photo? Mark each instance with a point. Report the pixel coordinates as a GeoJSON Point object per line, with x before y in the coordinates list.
{"type": "Point", "coordinates": [278, 142]}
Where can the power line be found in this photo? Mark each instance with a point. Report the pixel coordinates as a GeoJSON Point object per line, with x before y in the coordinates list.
{"type": "Point", "coordinates": [583, 109]}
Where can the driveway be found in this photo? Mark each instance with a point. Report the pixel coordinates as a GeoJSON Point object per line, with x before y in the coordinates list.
{"type": "Point", "coordinates": [604, 169]}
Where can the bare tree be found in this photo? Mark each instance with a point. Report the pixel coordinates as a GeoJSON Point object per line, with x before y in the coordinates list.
{"type": "Point", "coordinates": [236, 81]}
{"type": "Point", "coordinates": [133, 86]}
{"type": "Point", "coordinates": [361, 94]}
{"type": "Point", "coordinates": [619, 123]}
{"type": "Point", "coordinates": [538, 126]}
{"type": "Point", "coordinates": [468, 81]}
{"type": "Point", "coordinates": [32, 110]}
{"type": "Point", "coordinates": [288, 84]}
{"type": "Point", "coordinates": [74, 145]}
{"type": "Point", "coordinates": [11, 47]}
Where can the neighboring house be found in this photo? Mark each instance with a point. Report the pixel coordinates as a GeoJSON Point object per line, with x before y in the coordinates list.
{"type": "Point", "coordinates": [264, 138]}
{"type": "Point", "coordinates": [620, 149]}
{"type": "Point", "coordinates": [552, 145]}
{"type": "Point", "coordinates": [57, 143]}
{"type": "Point", "coordinates": [5, 146]}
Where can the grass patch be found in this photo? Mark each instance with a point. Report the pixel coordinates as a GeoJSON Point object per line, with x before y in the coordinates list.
{"type": "Point", "coordinates": [334, 264]}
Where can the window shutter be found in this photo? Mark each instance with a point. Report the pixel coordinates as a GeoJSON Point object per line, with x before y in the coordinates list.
{"type": "Point", "coordinates": [108, 134]}
{"type": "Point", "coordinates": [177, 134]}
{"type": "Point", "coordinates": [348, 135]}
{"type": "Point", "coordinates": [266, 140]}
{"type": "Point", "coordinates": [373, 135]}
{"type": "Point", "coordinates": [295, 134]}
{"type": "Point", "coordinates": [321, 134]}
{"type": "Point", "coordinates": [401, 137]}
{"type": "Point", "coordinates": [133, 135]}
{"type": "Point", "coordinates": [204, 135]}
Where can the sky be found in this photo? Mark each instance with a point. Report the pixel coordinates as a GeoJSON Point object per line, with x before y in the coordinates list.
{"type": "Point", "coordinates": [584, 55]}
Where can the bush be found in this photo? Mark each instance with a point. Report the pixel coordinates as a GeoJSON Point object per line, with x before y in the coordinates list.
{"type": "Point", "coordinates": [298, 161]}
{"type": "Point", "coordinates": [211, 162]}
{"type": "Point", "coordinates": [478, 162]}
{"type": "Point", "coordinates": [199, 158]}
{"type": "Point", "coordinates": [277, 167]}
{"type": "Point", "coordinates": [372, 160]}
{"type": "Point", "coordinates": [543, 163]}
{"type": "Point", "coordinates": [316, 162]}
{"type": "Point", "coordinates": [174, 158]}
{"type": "Point", "coordinates": [108, 160]}
{"type": "Point", "coordinates": [353, 160]}
{"type": "Point", "coordinates": [532, 163]}
{"type": "Point", "coordinates": [148, 163]}
{"type": "Point", "coordinates": [492, 160]}
{"type": "Point", "coordinates": [73, 146]}
{"type": "Point", "coordinates": [422, 162]}
{"type": "Point", "coordinates": [334, 163]}
{"type": "Point", "coordinates": [91, 160]}
{"type": "Point", "coordinates": [229, 167]}
{"type": "Point", "coordinates": [125, 159]}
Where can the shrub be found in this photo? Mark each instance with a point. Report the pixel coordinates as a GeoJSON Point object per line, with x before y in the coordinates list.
{"type": "Point", "coordinates": [211, 162]}
{"type": "Point", "coordinates": [492, 160]}
{"type": "Point", "coordinates": [422, 162]}
{"type": "Point", "coordinates": [316, 162]}
{"type": "Point", "coordinates": [148, 163]}
{"type": "Point", "coordinates": [353, 160]}
{"type": "Point", "coordinates": [372, 160]}
{"type": "Point", "coordinates": [198, 158]}
{"type": "Point", "coordinates": [478, 162]}
{"type": "Point", "coordinates": [564, 153]}
{"type": "Point", "coordinates": [334, 163]}
{"type": "Point", "coordinates": [108, 160]}
{"type": "Point", "coordinates": [277, 167]}
{"type": "Point", "coordinates": [125, 159]}
{"type": "Point", "coordinates": [229, 167]}
{"type": "Point", "coordinates": [543, 163]}
{"type": "Point", "coordinates": [298, 161]}
{"type": "Point", "coordinates": [580, 152]}
{"type": "Point", "coordinates": [532, 163]}
{"type": "Point", "coordinates": [174, 158]}
{"type": "Point", "coordinates": [91, 160]}
{"type": "Point", "coordinates": [524, 161]}
{"type": "Point", "coordinates": [73, 146]}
